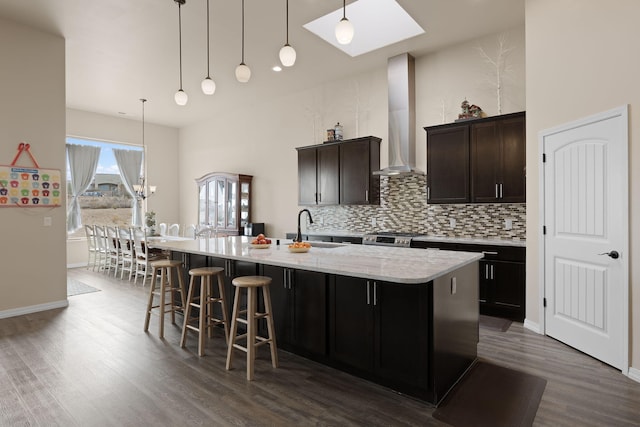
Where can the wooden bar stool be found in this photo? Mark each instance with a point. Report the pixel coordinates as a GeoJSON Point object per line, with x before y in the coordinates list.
{"type": "Point", "coordinates": [204, 303]}
{"type": "Point", "coordinates": [251, 284]}
{"type": "Point", "coordinates": [162, 269]}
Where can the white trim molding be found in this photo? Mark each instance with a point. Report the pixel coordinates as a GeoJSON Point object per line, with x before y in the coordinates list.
{"type": "Point", "coordinates": [33, 308]}
{"type": "Point", "coordinates": [634, 374]}
{"type": "Point", "coordinates": [532, 326]}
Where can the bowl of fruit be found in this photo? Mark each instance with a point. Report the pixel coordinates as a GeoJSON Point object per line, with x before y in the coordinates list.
{"type": "Point", "coordinates": [299, 247]}
{"type": "Point", "coordinates": [260, 242]}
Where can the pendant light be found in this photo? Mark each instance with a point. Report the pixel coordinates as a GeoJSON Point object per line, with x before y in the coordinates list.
{"type": "Point", "coordinates": [287, 53]}
{"type": "Point", "coordinates": [180, 96]}
{"type": "Point", "coordinates": [243, 72]}
{"type": "Point", "coordinates": [344, 29]}
{"type": "Point", "coordinates": [208, 85]}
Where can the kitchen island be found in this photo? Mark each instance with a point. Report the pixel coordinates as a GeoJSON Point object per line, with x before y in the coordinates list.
{"type": "Point", "coordinates": [404, 318]}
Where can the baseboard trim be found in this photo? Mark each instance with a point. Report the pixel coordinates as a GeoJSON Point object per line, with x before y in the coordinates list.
{"type": "Point", "coordinates": [532, 326]}
{"type": "Point", "coordinates": [79, 264]}
{"type": "Point", "coordinates": [33, 309]}
{"type": "Point", "coordinates": [634, 374]}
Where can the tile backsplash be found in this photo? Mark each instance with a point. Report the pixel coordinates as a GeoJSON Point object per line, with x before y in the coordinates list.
{"type": "Point", "coordinates": [403, 207]}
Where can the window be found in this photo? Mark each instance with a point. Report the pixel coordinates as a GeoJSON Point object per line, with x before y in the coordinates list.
{"type": "Point", "coordinates": [106, 201]}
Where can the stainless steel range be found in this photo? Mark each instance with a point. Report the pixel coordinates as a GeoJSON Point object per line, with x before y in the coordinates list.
{"type": "Point", "coordinates": [389, 238]}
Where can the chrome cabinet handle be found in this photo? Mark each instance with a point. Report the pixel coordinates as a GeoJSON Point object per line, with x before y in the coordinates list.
{"type": "Point", "coordinates": [489, 253]}
{"type": "Point", "coordinates": [496, 191]}
{"type": "Point", "coordinates": [501, 191]}
{"type": "Point", "coordinates": [368, 293]}
{"type": "Point", "coordinates": [492, 272]}
{"type": "Point", "coordinates": [375, 293]}
{"type": "Point", "coordinates": [284, 278]}
{"type": "Point", "coordinates": [366, 195]}
{"type": "Point", "coordinates": [486, 271]}
{"type": "Point", "coordinates": [428, 193]}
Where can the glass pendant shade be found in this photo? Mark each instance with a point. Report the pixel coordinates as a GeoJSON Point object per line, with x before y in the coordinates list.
{"type": "Point", "coordinates": [287, 55]}
{"type": "Point", "coordinates": [208, 86]}
{"type": "Point", "coordinates": [344, 31]}
{"type": "Point", "coordinates": [181, 97]}
{"type": "Point", "coordinates": [243, 73]}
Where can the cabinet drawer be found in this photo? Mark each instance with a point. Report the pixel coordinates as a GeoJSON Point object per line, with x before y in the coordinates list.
{"type": "Point", "coordinates": [501, 253]}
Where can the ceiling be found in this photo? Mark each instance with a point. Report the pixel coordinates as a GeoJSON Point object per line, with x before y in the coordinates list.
{"type": "Point", "coordinates": [119, 51]}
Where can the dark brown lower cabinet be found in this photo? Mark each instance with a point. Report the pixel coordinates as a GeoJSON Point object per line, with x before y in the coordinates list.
{"type": "Point", "coordinates": [380, 329]}
{"type": "Point", "coordinates": [298, 301]}
{"type": "Point", "coordinates": [500, 293]}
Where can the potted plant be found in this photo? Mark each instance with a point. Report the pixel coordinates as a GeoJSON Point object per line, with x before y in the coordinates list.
{"type": "Point", "coordinates": [150, 222]}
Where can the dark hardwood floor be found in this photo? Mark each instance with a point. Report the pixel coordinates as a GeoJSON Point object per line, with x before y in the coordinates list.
{"type": "Point", "coordinates": [92, 365]}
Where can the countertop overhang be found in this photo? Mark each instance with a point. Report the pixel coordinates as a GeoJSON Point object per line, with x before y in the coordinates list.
{"type": "Point", "coordinates": [399, 265]}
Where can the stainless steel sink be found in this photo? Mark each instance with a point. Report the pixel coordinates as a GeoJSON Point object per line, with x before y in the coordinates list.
{"type": "Point", "coordinates": [327, 245]}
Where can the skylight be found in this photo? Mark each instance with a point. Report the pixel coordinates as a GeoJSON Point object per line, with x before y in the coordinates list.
{"type": "Point", "coordinates": [377, 23]}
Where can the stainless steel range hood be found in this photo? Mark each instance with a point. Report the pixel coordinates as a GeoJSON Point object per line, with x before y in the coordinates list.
{"type": "Point", "coordinates": [402, 116]}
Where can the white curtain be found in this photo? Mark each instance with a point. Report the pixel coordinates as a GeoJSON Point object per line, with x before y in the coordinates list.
{"type": "Point", "coordinates": [83, 162]}
{"type": "Point", "coordinates": [130, 165]}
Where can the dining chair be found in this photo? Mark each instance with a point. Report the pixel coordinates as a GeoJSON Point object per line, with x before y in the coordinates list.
{"type": "Point", "coordinates": [190, 231]}
{"type": "Point", "coordinates": [92, 249]}
{"type": "Point", "coordinates": [126, 252]}
{"type": "Point", "coordinates": [174, 230]}
{"type": "Point", "coordinates": [163, 228]}
{"type": "Point", "coordinates": [113, 249]}
{"type": "Point", "coordinates": [142, 255]}
{"type": "Point", "coordinates": [103, 248]}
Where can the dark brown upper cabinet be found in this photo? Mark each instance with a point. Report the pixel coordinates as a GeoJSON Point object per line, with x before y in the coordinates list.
{"type": "Point", "coordinates": [477, 161]}
{"type": "Point", "coordinates": [498, 158]}
{"type": "Point", "coordinates": [448, 165]}
{"type": "Point", "coordinates": [339, 173]}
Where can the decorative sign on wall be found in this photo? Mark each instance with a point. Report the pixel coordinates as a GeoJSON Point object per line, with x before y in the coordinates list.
{"type": "Point", "coordinates": [29, 186]}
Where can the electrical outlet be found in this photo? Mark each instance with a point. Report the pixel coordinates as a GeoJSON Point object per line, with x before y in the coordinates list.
{"type": "Point", "coordinates": [508, 224]}
{"type": "Point", "coordinates": [454, 286]}
{"type": "Point", "coordinates": [373, 222]}
{"type": "Point", "coordinates": [47, 221]}
{"type": "Point", "coordinates": [452, 222]}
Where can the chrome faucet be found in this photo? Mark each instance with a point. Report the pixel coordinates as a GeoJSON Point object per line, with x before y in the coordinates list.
{"type": "Point", "coordinates": [299, 235]}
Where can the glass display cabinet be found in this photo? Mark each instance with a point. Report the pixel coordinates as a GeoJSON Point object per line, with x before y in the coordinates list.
{"type": "Point", "coordinates": [224, 202]}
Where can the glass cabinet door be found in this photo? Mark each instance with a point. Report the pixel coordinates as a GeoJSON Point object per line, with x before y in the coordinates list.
{"type": "Point", "coordinates": [232, 187]}
{"type": "Point", "coordinates": [220, 203]}
{"type": "Point", "coordinates": [202, 204]}
{"type": "Point", "coordinates": [244, 203]}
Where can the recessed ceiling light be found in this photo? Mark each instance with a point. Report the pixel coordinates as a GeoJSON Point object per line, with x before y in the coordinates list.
{"type": "Point", "coordinates": [377, 23]}
{"type": "Point", "coordinates": [277, 68]}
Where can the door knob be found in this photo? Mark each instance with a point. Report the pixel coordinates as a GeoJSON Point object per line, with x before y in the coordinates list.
{"type": "Point", "coordinates": [612, 254]}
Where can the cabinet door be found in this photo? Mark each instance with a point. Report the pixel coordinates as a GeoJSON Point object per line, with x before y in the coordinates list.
{"type": "Point", "coordinates": [486, 161]}
{"type": "Point", "coordinates": [308, 309]}
{"type": "Point", "coordinates": [307, 177]}
{"type": "Point", "coordinates": [351, 323]}
{"type": "Point", "coordinates": [355, 173]}
{"type": "Point", "coordinates": [231, 208]}
{"type": "Point", "coordinates": [279, 304]}
{"type": "Point", "coordinates": [509, 290]}
{"type": "Point", "coordinates": [513, 159]}
{"type": "Point", "coordinates": [402, 347]}
{"type": "Point", "coordinates": [448, 165]}
{"type": "Point", "coordinates": [328, 168]}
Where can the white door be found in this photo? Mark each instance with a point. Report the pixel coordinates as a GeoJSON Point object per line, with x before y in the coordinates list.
{"type": "Point", "coordinates": [586, 256]}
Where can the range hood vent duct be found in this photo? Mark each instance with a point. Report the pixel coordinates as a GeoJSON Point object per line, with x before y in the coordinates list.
{"type": "Point", "coordinates": [402, 116]}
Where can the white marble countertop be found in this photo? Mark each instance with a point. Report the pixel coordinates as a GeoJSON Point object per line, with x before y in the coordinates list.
{"type": "Point", "coordinates": [400, 265]}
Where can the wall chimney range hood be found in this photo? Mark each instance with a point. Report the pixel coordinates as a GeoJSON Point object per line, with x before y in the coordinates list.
{"type": "Point", "coordinates": [402, 116]}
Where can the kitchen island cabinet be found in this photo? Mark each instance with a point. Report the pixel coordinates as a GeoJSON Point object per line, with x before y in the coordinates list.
{"type": "Point", "coordinates": [298, 300]}
{"type": "Point", "coordinates": [378, 329]}
{"type": "Point", "coordinates": [404, 318]}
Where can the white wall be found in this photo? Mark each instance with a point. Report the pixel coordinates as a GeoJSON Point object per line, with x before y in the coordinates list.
{"type": "Point", "coordinates": [581, 59]}
{"type": "Point", "coordinates": [260, 140]}
{"type": "Point", "coordinates": [162, 150]}
{"type": "Point", "coordinates": [32, 110]}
